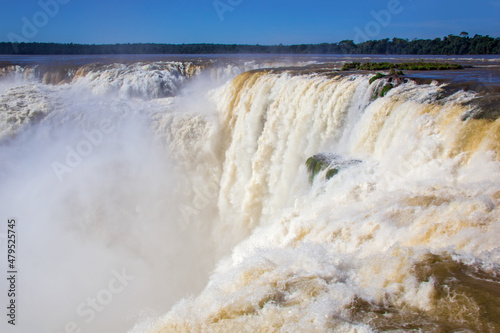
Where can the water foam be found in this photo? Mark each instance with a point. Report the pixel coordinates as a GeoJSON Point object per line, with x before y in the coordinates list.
{"type": "Point", "coordinates": [204, 174]}
{"type": "Point", "coordinates": [348, 254]}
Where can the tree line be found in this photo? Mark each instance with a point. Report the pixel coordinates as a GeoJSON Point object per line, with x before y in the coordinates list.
{"type": "Point", "coordinates": [451, 44]}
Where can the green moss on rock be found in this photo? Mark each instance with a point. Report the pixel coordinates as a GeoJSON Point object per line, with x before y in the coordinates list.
{"type": "Point", "coordinates": [412, 66]}
{"type": "Point", "coordinates": [386, 89]}
{"type": "Point", "coordinates": [376, 77]}
{"type": "Point", "coordinates": [332, 163]}
{"type": "Point", "coordinates": [331, 172]}
{"type": "Point", "coordinates": [315, 165]}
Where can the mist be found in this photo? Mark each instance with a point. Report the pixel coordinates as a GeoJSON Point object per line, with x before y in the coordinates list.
{"type": "Point", "coordinates": [105, 215]}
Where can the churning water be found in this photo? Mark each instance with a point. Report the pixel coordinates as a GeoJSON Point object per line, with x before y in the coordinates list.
{"type": "Point", "coordinates": [173, 196]}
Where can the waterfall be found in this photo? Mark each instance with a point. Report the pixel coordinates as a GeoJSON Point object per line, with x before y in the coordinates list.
{"type": "Point", "coordinates": [190, 179]}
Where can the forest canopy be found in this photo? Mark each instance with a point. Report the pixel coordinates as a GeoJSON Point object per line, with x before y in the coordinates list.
{"type": "Point", "coordinates": [451, 44]}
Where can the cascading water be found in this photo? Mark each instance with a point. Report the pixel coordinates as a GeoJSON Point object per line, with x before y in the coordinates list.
{"type": "Point", "coordinates": [406, 239]}
{"type": "Point", "coordinates": [162, 171]}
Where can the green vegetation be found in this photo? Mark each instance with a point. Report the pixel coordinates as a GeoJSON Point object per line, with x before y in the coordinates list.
{"type": "Point", "coordinates": [424, 66]}
{"type": "Point", "coordinates": [463, 44]}
{"type": "Point", "coordinates": [351, 65]}
{"type": "Point", "coordinates": [332, 163]}
{"type": "Point", "coordinates": [386, 89]}
{"type": "Point", "coordinates": [367, 66]}
{"type": "Point", "coordinates": [411, 66]}
{"type": "Point", "coordinates": [315, 165]}
{"type": "Point", "coordinates": [376, 77]}
{"type": "Point", "coordinates": [331, 172]}
{"type": "Point", "coordinates": [392, 71]}
{"type": "Point", "coordinates": [318, 163]}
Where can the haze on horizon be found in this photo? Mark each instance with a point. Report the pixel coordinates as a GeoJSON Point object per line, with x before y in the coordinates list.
{"type": "Point", "coordinates": [241, 21]}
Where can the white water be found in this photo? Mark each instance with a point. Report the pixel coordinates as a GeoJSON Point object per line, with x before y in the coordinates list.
{"type": "Point", "coordinates": [215, 177]}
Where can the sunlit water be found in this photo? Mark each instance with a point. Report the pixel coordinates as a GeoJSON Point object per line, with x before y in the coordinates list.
{"type": "Point", "coordinates": [167, 194]}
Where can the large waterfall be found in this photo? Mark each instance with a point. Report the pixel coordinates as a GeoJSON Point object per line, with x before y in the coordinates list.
{"type": "Point", "coordinates": [190, 179]}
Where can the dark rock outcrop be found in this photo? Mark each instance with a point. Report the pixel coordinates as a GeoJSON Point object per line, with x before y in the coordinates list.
{"type": "Point", "coordinates": [332, 163]}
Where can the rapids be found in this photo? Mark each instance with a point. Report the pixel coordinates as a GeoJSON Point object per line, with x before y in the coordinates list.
{"type": "Point", "coordinates": [191, 177]}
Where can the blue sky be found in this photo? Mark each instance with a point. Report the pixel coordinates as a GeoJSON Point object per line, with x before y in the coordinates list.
{"type": "Point", "coordinates": [242, 21]}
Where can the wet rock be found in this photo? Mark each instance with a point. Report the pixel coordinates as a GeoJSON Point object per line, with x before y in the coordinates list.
{"type": "Point", "coordinates": [332, 163]}
{"type": "Point", "coordinates": [484, 107]}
